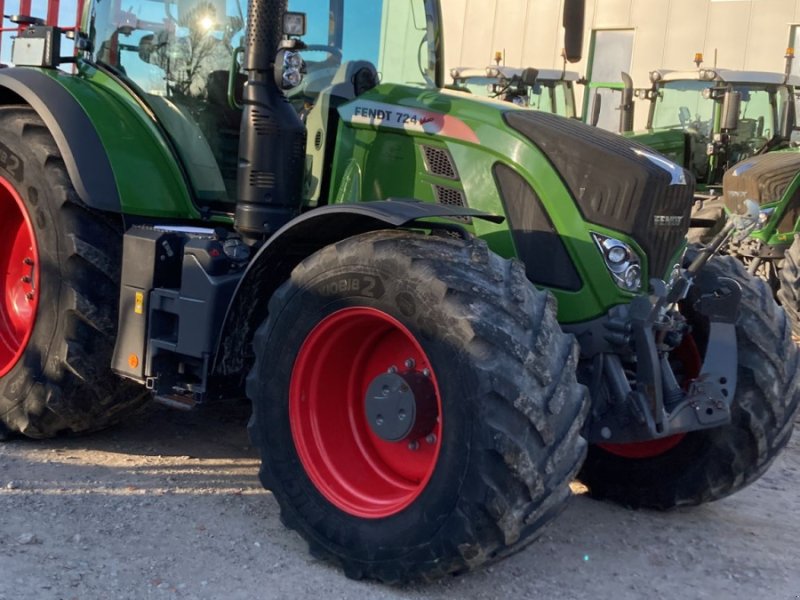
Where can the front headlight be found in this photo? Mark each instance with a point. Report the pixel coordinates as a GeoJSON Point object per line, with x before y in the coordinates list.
{"type": "Point", "coordinates": [289, 69]}
{"type": "Point", "coordinates": [621, 261]}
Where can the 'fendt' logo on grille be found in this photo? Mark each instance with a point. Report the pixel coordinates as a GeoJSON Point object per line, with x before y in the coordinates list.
{"type": "Point", "coordinates": [667, 221]}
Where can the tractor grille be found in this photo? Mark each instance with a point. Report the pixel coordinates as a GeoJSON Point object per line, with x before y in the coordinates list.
{"type": "Point", "coordinates": [439, 162]}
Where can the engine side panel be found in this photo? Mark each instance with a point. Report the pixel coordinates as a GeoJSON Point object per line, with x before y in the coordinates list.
{"type": "Point", "coordinates": [444, 147]}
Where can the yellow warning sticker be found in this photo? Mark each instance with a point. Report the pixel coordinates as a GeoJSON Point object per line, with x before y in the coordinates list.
{"type": "Point", "coordinates": [138, 306]}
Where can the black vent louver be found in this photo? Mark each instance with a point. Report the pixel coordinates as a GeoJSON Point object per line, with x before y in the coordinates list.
{"type": "Point", "coordinates": [439, 162]}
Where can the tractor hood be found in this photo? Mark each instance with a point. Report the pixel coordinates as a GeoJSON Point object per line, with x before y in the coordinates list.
{"type": "Point", "coordinates": [764, 179]}
{"type": "Point", "coordinates": [615, 182]}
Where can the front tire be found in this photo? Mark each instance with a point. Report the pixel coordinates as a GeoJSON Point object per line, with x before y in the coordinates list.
{"type": "Point", "coordinates": [710, 464]}
{"type": "Point", "coordinates": [499, 413]}
{"type": "Point", "coordinates": [789, 290]}
{"type": "Point", "coordinates": [59, 262]}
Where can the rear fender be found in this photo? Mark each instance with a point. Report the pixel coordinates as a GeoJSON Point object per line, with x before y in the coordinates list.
{"type": "Point", "coordinates": [117, 155]}
{"type": "Point", "coordinates": [83, 153]}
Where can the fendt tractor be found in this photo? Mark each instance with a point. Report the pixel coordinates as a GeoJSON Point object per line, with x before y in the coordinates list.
{"type": "Point", "coordinates": [710, 119]}
{"type": "Point", "coordinates": [395, 274]}
{"type": "Point", "coordinates": [737, 129]}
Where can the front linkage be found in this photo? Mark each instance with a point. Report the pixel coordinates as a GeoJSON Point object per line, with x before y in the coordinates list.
{"type": "Point", "coordinates": [636, 342]}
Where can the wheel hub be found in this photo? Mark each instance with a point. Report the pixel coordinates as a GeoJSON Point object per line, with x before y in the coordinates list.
{"type": "Point", "coordinates": [360, 366]}
{"type": "Point", "coordinates": [401, 406]}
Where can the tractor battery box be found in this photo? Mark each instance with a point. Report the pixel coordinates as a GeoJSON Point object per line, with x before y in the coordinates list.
{"type": "Point", "coordinates": [150, 259]}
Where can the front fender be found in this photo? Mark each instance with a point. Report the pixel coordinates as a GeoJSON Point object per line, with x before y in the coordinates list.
{"type": "Point", "coordinates": [299, 239]}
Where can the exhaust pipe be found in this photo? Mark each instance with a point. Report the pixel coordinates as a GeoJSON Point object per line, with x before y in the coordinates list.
{"type": "Point", "coordinates": [272, 138]}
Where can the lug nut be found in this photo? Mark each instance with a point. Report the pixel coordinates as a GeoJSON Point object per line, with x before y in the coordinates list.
{"type": "Point", "coordinates": [410, 363]}
{"type": "Point", "coordinates": [28, 261]}
{"type": "Point", "coordinates": [413, 446]}
{"type": "Point", "coordinates": [26, 279]}
{"type": "Point", "coordinates": [29, 295]}
{"type": "Point", "coordinates": [431, 438]}
{"type": "Point", "coordinates": [392, 369]}
{"type": "Point", "coordinates": [426, 372]}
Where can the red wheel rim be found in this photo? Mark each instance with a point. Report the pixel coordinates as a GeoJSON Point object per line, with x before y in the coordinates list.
{"type": "Point", "coordinates": [357, 471]}
{"type": "Point", "coordinates": [689, 357]}
{"type": "Point", "coordinates": [19, 270]}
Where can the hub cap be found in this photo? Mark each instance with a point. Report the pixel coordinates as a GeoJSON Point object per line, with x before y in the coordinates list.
{"type": "Point", "coordinates": [19, 275]}
{"type": "Point", "coordinates": [365, 412]}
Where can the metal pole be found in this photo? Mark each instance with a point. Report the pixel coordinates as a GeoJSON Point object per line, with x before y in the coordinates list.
{"type": "Point", "coordinates": [52, 12]}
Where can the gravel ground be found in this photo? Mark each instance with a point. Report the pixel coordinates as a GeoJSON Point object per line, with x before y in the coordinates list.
{"type": "Point", "coordinates": [169, 506]}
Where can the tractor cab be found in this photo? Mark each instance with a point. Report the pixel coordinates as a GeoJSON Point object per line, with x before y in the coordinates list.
{"type": "Point", "coordinates": [727, 116]}
{"type": "Point", "coordinates": [182, 59]}
{"type": "Point", "coordinates": [548, 90]}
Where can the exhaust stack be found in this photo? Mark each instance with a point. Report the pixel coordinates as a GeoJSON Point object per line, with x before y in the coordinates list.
{"type": "Point", "coordinates": [272, 138]}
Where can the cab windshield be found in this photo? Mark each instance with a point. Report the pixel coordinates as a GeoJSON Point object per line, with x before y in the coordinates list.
{"type": "Point", "coordinates": [179, 56]}
{"type": "Point", "coordinates": [688, 105]}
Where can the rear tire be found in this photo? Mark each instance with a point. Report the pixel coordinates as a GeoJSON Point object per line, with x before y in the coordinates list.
{"type": "Point", "coordinates": [711, 464]}
{"type": "Point", "coordinates": [56, 376]}
{"type": "Point", "coordinates": [509, 409]}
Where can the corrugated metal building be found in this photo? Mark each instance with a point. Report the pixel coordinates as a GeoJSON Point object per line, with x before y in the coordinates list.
{"type": "Point", "coordinates": [636, 36]}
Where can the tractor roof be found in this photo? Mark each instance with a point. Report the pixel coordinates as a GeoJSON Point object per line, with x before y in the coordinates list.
{"type": "Point", "coordinates": [494, 71]}
{"type": "Point", "coordinates": [725, 76]}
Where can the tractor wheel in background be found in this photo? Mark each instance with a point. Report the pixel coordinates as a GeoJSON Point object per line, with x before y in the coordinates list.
{"type": "Point", "coordinates": [416, 405]}
{"type": "Point", "coordinates": [706, 465]}
{"type": "Point", "coordinates": [789, 290]}
{"type": "Point", "coordinates": [60, 266]}
{"type": "Point", "coordinates": [708, 219]}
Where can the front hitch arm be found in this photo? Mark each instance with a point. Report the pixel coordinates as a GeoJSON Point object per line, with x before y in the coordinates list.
{"type": "Point", "coordinates": [656, 407]}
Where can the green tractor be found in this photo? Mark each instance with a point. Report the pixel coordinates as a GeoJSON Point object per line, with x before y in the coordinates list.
{"type": "Point", "coordinates": [549, 90]}
{"type": "Point", "coordinates": [710, 119]}
{"type": "Point", "coordinates": [396, 276]}
{"type": "Point", "coordinates": [733, 130]}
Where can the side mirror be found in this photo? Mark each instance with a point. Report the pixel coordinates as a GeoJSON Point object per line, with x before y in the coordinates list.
{"type": "Point", "coordinates": [574, 12]}
{"type": "Point", "coordinates": [597, 104]}
{"type": "Point", "coordinates": [730, 110]}
{"type": "Point", "coordinates": [529, 76]}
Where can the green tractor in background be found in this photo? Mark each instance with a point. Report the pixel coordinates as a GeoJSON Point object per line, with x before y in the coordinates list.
{"type": "Point", "coordinates": [710, 119]}
{"type": "Point", "coordinates": [395, 274]}
{"type": "Point", "coordinates": [549, 90]}
{"type": "Point", "coordinates": [733, 130]}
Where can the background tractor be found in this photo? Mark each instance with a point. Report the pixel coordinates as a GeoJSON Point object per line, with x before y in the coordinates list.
{"type": "Point", "coordinates": [710, 119]}
{"type": "Point", "coordinates": [550, 90]}
{"type": "Point", "coordinates": [733, 130]}
{"type": "Point", "coordinates": [394, 274]}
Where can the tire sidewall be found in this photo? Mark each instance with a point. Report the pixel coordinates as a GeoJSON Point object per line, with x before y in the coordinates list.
{"type": "Point", "coordinates": [32, 187]}
{"type": "Point", "coordinates": [406, 300]}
